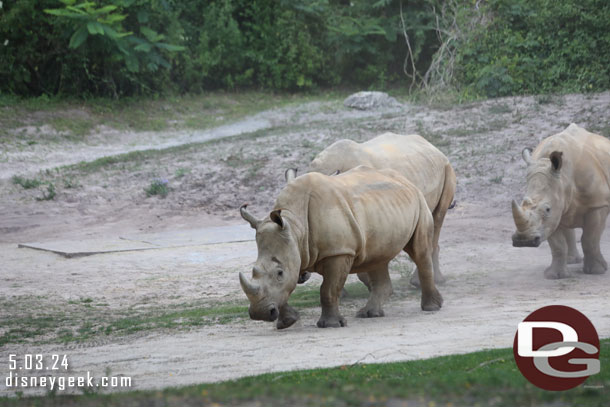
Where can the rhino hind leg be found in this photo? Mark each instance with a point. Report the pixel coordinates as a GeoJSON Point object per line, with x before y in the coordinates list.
{"type": "Point", "coordinates": [380, 288]}
{"type": "Point", "coordinates": [438, 216]}
{"type": "Point", "coordinates": [593, 228]}
{"type": "Point", "coordinates": [439, 278]}
{"type": "Point", "coordinates": [573, 255]}
{"type": "Point", "coordinates": [420, 250]}
{"type": "Point", "coordinates": [334, 271]}
{"type": "Point", "coordinates": [559, 251]}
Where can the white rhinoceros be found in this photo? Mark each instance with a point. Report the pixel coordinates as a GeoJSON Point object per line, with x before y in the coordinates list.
{"type": "Point", "coordinates": [413, 157]}
{"type": "Point", "coordinates": [568, 186]}
{"type": "Point", "coordinates": [335, 225]}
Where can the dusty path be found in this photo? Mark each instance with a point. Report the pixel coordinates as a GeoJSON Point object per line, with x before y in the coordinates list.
{"type": "Point", "coordinates": [491, 285]}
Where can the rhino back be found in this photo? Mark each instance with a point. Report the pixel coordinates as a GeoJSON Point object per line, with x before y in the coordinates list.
{"type": "Point", "coordinates": [362, 213]}
{"type": "Point", "coordinates": [411, 155]}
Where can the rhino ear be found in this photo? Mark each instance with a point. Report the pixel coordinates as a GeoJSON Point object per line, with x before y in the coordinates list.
{"type": "Point", "coordinates": [527, 155]}
{"type": "Point", "coordinates": [290, 174]}
{"type": "Point", "coordinates": [556, 160]}
{"type": "Point", "coordinates": [277, 217]}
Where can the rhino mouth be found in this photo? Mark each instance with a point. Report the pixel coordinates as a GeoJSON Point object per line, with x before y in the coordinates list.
{"type": "Point", "coordinates": [269, 314]}
{"type": "Point", "coordinates": [526, 242]}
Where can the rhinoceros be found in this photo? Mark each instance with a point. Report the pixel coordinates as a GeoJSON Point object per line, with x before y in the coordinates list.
{"type": "Point", "coordinates": [413, 157]}
{"type": "Point", "coordinates": [568, 186]}
{"type": "Point", "coordinates": [335, 225]}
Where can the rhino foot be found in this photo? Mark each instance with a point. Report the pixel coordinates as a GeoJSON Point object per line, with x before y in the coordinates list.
{"type": "Point", "coordinates": [595, 266]}
{"type": "Point", "coordinates": [331, 322]}
{"type": "Point", "coordinates": [555, 273]}
{"type": "Point", "coordinates": [370, 313]}
{"type": "Point", "coordinates": [432, 301]}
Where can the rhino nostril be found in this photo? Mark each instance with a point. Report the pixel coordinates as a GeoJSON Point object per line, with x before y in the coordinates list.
{"type": "Point", "coordinates": [273, 313]}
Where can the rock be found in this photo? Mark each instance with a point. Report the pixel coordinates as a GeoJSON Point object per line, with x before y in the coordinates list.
{"type": "Point", "coordinates": [370, 101]}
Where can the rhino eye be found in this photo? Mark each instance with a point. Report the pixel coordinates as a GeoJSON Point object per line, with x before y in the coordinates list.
{"type": "Point", "coordinates": [280, 273]}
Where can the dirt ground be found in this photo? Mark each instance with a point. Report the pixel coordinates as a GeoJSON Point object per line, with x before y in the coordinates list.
{"type": "Point", "coordinates": [491, 285]}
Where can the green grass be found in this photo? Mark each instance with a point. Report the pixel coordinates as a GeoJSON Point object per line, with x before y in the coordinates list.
{"type": "Point", "coordinates": [484, 378]}
{"type": "Point", "coordinates": [74, 119]}
{"type": "Point", "coordinates": [157, 187]}
{"type": "Point", "coordinates": [26, 183]}
{"type": "Point", "coordinates": [84, 320]}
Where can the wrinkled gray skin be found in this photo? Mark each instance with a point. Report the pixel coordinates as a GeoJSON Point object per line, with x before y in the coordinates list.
{"type": "Point", "coordinates": [410, 155]}
{"type": "Point", "coordinates": [336, 225]}
{"type": "Point", "coordinates": [568, 187]}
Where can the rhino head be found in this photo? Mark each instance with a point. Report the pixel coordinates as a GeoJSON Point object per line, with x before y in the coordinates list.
{"type": "Point", "coordinates": [276, 270]}
{"type": "Point", "coordinates": [540, 213]}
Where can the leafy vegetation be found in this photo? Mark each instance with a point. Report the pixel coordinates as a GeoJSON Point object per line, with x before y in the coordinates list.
{"type": "Point", "coordinates": [538, 46]}
{"type": "Point", "coordinates": [129, 47]}
{"type": "Point", "coordinates": [488, 377]}
{"type": "Point", "coordinates": [157, 187]}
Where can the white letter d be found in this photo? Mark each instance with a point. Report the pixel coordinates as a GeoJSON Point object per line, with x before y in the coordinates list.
{"type": "Point", "coordinates": [526, 338]}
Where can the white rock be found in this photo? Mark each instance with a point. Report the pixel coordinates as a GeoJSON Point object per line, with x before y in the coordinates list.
{"type": "Point", "coordinates": [370, 101]}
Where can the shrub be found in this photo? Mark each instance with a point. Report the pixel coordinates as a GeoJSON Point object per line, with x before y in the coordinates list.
{"type": "Point", "coordinates": [537, 46]}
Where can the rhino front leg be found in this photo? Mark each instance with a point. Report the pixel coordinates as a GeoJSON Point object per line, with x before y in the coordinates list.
{"type": "Point", "coordinates": [559, 251]}
{"type": "Point", "coordinates": [334, 271]}
{"type": "Point", "coordinates": [593, 228]}
{"type": "Point", "coordinates": [381, 289]}
{"type": "Point", "coordinates": [573, 255]}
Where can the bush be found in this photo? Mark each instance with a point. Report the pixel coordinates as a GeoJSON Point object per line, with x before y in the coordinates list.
{"type": "Point", "coordinates": [538, 46]}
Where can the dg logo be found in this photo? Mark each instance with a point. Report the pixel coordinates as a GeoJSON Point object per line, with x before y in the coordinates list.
{"type": "Point", "coordinates": [556, 348]}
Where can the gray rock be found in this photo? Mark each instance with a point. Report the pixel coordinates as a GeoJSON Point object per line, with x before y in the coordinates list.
{"type": "Point", "coordinates": [370, 101]}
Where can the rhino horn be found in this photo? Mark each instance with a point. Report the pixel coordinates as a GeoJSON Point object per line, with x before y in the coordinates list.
{"type": "Point", "coordinates": [246, 285]}
{"type": "Point", "coordinates": [290, 174]}
{"type": "Point", "coordinates": [519, 216]}
{"type": "Point", "coordinates": [248, 216]}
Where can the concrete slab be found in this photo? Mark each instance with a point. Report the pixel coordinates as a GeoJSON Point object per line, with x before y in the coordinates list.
{"type": "Point", "coordinates": [87, 247]}
{"type": "Point", "coordinates": [218, 234]}
{"type": "Point", "coordinates": [194, 237]}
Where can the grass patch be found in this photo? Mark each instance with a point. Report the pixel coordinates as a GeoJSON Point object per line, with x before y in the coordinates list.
{"type": "Point", "coordinates": [26, 183]}
{"type": "Point", "coordinates": [488, 377]}
{"type": "Point", "coordinates": [74, 119]}
{"type": "Point", "coordinates": [83, 320]}
{"type": "Point", "coordinates": [157, 187]}
{"type": "Point", "coordinates": [500, 109]}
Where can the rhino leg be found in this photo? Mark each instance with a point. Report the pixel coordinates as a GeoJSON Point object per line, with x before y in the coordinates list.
{"type": "Point", "coordinates": [288, 316]}
{"type": "Point", "coordinates": [573, 255]}
{"type": "Point", "coordinates": [593, 228]}
{"type": "Point", "coordinates": [420, 250]}
{"type": "Point", "coordinates": [334, 271]}
{"type": "Point", "coordinates": [439, 278]}
{"type": "Point", "coordinates": [559, 251]}
{"type": "Point", "coordinates": [366, 280]}
{"type": "Point", "coordinates": [381, 289]}
{"type": "Point", "coordinates": [438, 216]}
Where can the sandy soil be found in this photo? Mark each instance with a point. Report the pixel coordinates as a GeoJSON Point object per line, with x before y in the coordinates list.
{"type": "Point", "coordinates": [491, 285]}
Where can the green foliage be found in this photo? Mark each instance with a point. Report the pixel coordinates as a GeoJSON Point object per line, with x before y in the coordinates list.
{"type": "Point", "coordinates": [157, 187]}
{"type": "Point", "coordinates": [539, 46]}
{"type": "Point", "coordinates": [26, 183]}
{"type": "Point", "coordinates": [129, 47]}
{"type": "Point", "coordinates": [49, 194]}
